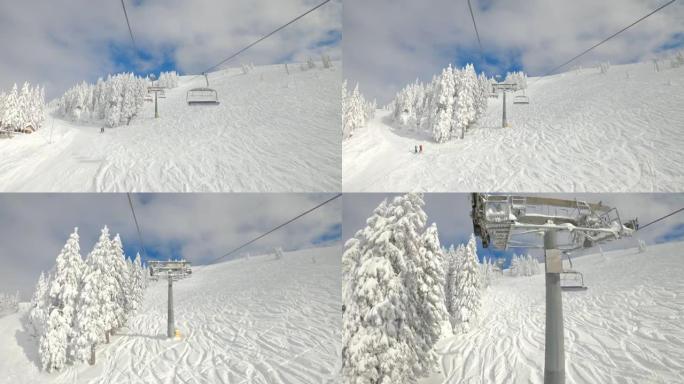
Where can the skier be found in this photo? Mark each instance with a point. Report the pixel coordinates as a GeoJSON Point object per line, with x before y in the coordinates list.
{"type": "Point", "coordinates": [421, 148]}
{"type": "Point", "coordinates": [415, 149]}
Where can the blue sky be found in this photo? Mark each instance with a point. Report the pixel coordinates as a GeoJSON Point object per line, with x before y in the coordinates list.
{"type": "Point", "coordinates": [390, 43]}
{"type": "Point", "coordinates": [196, 227]}
{"type": "Point", "coordinates": [80, 40]}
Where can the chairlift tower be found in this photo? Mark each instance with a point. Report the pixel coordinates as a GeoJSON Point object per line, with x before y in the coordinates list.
{"type": "Point", "coordinates": [174, 270]}
{"type": "Point", "coordinates": [158, 93]}
{"type": "Point", "coordinates": [510, 221]}
{"type": "Point", "coordinates": [503, 87]}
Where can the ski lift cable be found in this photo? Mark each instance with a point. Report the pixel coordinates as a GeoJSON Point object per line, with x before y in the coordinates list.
{"type": "Point", "coordinates": [275, 229]}
{"type": "Point", "coordinates": [662, 218]}
{"type": "Point", "coordinates": [137, 227]}
{"type": "Point", "coordinates": [130, 31]}
{"type": "Point", "coordinates": [262, 38]}
{"type": "Point", "coordinates": [608, 38]}
{"type": "Point", "coordinates": [472, 16]}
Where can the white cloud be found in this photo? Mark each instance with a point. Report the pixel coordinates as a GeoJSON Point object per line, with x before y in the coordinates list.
{"type": "Point", "coordinates": [389, 43]}
{"type": "Point", "coordinates": [34, 227]}
{"type": "Point", "coordinates": [61, 43]}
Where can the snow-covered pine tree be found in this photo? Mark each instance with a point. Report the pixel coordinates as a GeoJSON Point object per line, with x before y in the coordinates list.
{"type": "Point", "coordinates": [429, 309]}
{"type": "Point", "coordinates": [378, 346]}
{"type": "Point", "coordinates": [469, 289]}
{"type": "Point", "coordinates": [485, 273]}
{"type": "Point", "coordinates": [642, 246]}
{"type": "Point", "coordinates": [56, 341]}
{"type": "Point", "coordinates": [452, 284]}
{"type": "Point", "coordinates": [138, 282]}
{"type": "Point", "coordinates": [38, 312]}
{"type": "Point", "coordinates": [120, 274]}
{"type": "Point", "coordinates": [278, 253]}
{"type": "Point", "coordinates": [11, 110]}
{"type": "Point", "coordinates": [443, 104]}
{"type": "Point", "coordinates": [515, 267]}
{"type": "Point", "coordinates": [101, 259]}
{"type": "Point", "coordinates": [449, 280]}
{"type": "Point", "coordinates": [53, 343]}
{"type": "Point", "coordinates": [89, 325]}
{"type": "Point", "coordinates": [464, 112]}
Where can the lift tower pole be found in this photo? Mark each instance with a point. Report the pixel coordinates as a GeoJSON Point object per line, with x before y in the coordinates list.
{"type": "Point", "coordinates": [503, 87]}
{"type": "Point", "coordinates": [554, 359]}
{"type": "Point", "coordinates": [174, 270]}
{"type": "Point", "coordinates": [171, 326]}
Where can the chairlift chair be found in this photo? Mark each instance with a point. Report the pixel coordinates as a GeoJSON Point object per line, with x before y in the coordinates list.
{"type": "Point", "coordinates": [572, 280]}
{"type": "Point", "coordinates": [202, 95]}
{"type": "Point", "coordinates": [521, 99]}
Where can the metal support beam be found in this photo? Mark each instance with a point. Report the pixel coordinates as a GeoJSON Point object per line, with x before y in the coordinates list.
{"type": "Point", "coordinates": [156, 109]}
{"type": "Point", "coordinates": [171, 331]}
{"type": "Point", "coordinates": [504, 123]}
{"type": "Point", "coordinates": [554, 361]}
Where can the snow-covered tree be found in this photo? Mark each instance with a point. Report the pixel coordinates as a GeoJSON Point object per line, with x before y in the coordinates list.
{"type": "Point", "coordinates": [22, 110]}
{"type": "Point", "coordinates": [356, 111]}
{"type": "Point", "coordinates": [642, 246]}
{"type": "Point", "coordinates": [39, 306]}
{"type": "Point", "coordinates": [524, 265]}
{"type": "Point", "coordinates": [9, 303]}
{"type": "Point", "coordinates": [90, 325]}
{"type": "Point", "coordinates": [442, 111]}
{"type": "Point", "coordinates": [113, 102]}
{"type": "Point", "coordinates": [391, 295]}
{"type": "Point", "coordinates": [445, 107]}
{"type": "Point", "coordinates": [427, 285]}
{"type": "Point", "coordinates": [56, 340]}
{"type": "Point", "coordinates": [466, 305]}
{"type": "Point", "coordinates": [53, 343]}
{"type": "Point", "coordinates": [168, 79]}
{"type": "Point", "coordinates": [517, 78]}
{"type": "Point", "coordinates": [278, 253]}
{"type": "Point", "coordinates": [121, 275]}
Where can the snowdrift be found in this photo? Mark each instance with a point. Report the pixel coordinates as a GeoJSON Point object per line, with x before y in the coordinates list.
{"type": "Point", "coordinates": [256, 320]}
{"type": "Point", "coordinates": [271, 132]}
{"type": "Point", "coordinates": [585, 131]}
{"type": "Point", "coordinates": [626, 328]}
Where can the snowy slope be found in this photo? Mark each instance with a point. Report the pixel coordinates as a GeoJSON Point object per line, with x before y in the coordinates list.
{"type": "Point", "coordinates": [259, 320]}
{"type": "Point", "coordinates": [581, 132]}
{"type": "Point", "coordinates": [271, 132]}
{"type": "Point", "coordinates": [626, 328]}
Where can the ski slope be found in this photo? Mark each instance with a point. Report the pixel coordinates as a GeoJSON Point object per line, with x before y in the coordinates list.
{"type": "Point", "coordinates": [256, 320]}
{"type": "Point", "coordinates": [626, 328]}
{"type": "Point", "coordinates": [581, 132]}
{"type": "Point", "coordinates": [271, 132]}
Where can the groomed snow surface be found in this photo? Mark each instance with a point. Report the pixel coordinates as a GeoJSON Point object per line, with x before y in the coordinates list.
{"type": "Point", "coordinates": [626, 328]}
{"type": "Point", "coordinates": [271, 132]}
{"type": "Point", "coordinates": [256, 320]}
{"type": "Point", "coordinates": [581, 131]}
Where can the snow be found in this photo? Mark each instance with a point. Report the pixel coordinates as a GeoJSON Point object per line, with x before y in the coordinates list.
{"type": "Point", "coordinates": [581, 132]}
{"type": "Point", "coordinates": [272, 132]}
{"type": "Point", "coordinates": [626, 328]}
{"type": "Point", "coordinates": [255, 320]}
